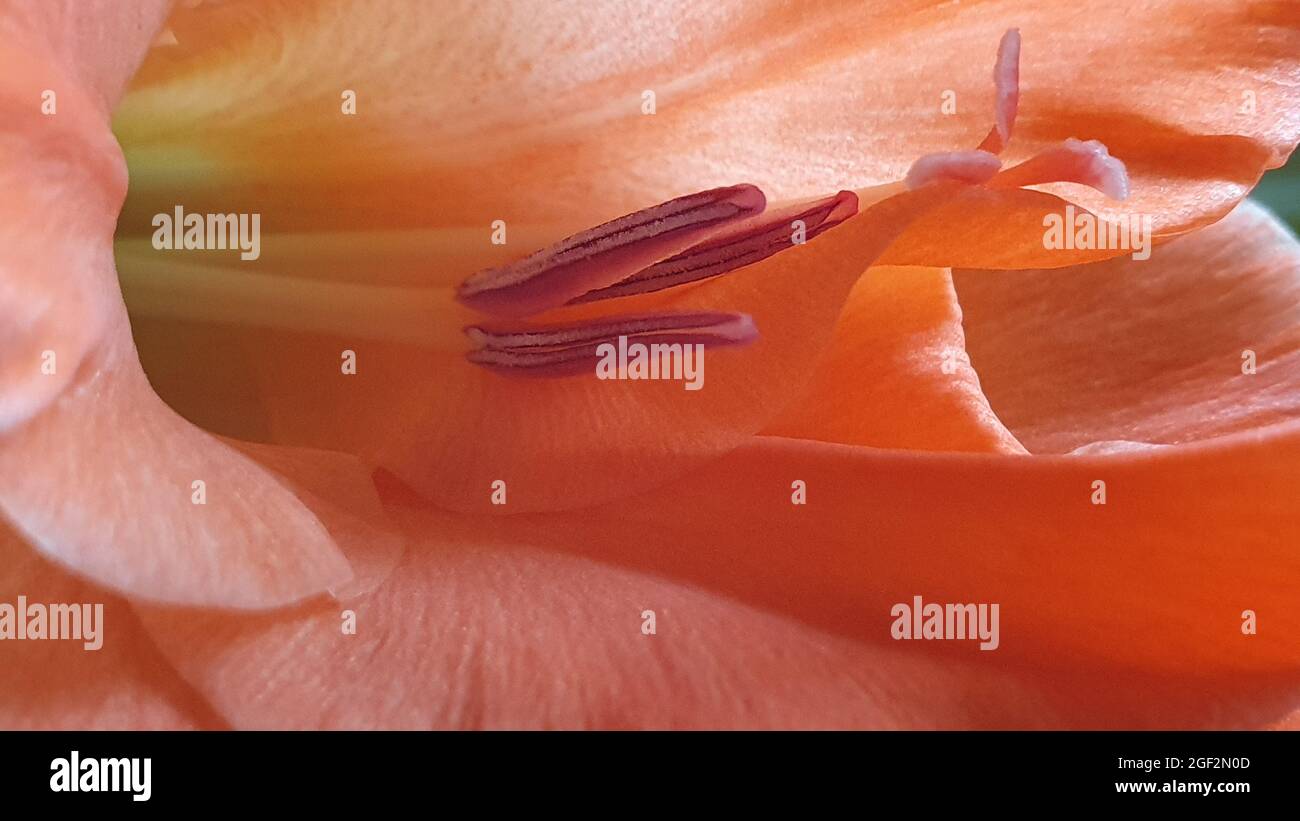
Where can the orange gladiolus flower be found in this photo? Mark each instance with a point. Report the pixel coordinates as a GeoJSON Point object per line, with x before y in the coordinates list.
{"type": "Point", "coordinates": [383, 489]}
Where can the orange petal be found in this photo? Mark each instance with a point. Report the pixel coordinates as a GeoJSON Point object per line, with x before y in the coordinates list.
{"type": "Point", "coordinates": [1189, 537]}
{"type": "Point", "coordinates": [896, 374]}
{"type": "Point", "coordinates": [479, 629]}
{"type": "Point", "coordinates": [506, 124]}
{"type": "Point", "coordinates": [995, 228]}
{"type": "Point", "coordinates": [506, 637]}
{"type": "Point", "coordinates": [62, 685]}
{"type": "Point", "coordinates": [1291, 722]}
{"type": "Point", "coordinates": [337, 488]}
{"type": "Point", "coordinates": [94, 469]}
{"type": "Point", "coordinates": [61, 70]}
{"type": "Point", "coordinates": [1144, 350]}
{"type": "Point", "coordinates": [64, 179]}
{"type": "Point", "coordinates": [104, 482]}
{"type": "Point", "coordinates": [101, 43]}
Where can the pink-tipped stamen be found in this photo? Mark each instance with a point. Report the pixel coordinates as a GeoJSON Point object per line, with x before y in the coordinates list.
{"type": "Point", "coordinates": [1006, 79]}
{"type": "Point", "coordinates": [971, 167]}
{"type": "Point", "coordinates": [735, 248]}
{"type": "Point", "coordinates": [1085, 162]}
{"type": "Point", "coordinates": [608, 253]}
{"type": "Point", "coordinates": [570, 349]}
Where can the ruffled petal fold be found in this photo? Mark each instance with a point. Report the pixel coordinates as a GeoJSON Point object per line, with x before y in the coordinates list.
{"type": "Point", "coordinates": [1200, 340]}
{"type": "Point", "coordinates": [896, 374]}
{"type": "Point", "coordinates": [112, 484]}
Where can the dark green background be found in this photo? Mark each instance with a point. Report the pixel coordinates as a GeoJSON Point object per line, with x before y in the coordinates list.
{"type": "Point", "coordinates": [1280, 191]}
